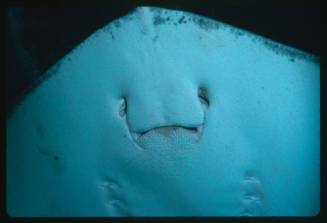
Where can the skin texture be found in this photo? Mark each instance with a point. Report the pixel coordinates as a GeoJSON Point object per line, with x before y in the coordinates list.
{"type": "Point", "coordinates": [166, 113]}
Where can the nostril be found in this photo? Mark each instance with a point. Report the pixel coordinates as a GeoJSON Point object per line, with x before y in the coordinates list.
{"type": "Point", "coordinates": [203, 96]}
{"type": "Point", "coordinates": [123, 107]}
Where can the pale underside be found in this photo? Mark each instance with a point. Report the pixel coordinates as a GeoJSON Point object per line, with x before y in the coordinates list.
{"type": "Point", "coordinates": [166, 113]}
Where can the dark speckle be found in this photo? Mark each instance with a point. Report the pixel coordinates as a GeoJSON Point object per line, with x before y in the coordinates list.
{"type": "Point", "coordinates": [288, 51]}
{"type": "Point", "coordinates": [155, 38]}
{"type": "Point", "coordinates": [57, 67]}
{"type": "Point", "coordinates": [117, 24]}
{"type": "Point", "coordinates": [158, 20]}
{"type": "Point", "coordinates": [112, 35]}
{"type": "Point", "coordinates": [143, 31]}
{"type": "Point", "coordinates": [239, 33]}
{"type": "Point", "coordinates": [107, 28]}
{"type": "Point", "coordinates": [292, 59]}
{"type": "Point", "coordinates": [180, 21]}
{"type": "Point", "coordinates": [204, 23]}
{"type": "Point", "coordinates": [53, 159]}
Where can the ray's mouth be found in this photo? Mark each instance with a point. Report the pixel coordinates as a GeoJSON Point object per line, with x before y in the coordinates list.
{"type": "Point", "coordinates": [167, 131]}
{"type": "Point", "coordinates": [168, 137]}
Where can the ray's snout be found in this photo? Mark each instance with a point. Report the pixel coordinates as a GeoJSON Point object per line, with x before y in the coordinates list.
{"type": "Point", "coordinates": [172, 124]}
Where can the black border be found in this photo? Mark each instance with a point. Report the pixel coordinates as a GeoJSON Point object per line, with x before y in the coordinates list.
{"type": "Point", "coordinates": [174, 5]}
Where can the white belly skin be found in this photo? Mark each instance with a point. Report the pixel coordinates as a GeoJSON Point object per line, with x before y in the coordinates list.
{"type": "Point", "coordinates": [72, 151]}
